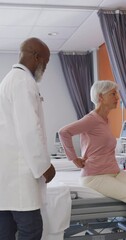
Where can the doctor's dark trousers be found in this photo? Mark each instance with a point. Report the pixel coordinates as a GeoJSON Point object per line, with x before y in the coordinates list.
{"type": "Point", "coordinates": [27, 224]}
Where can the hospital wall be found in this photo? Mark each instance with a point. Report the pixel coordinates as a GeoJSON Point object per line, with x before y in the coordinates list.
{"type": "Point", "coordinates": [58, 107]}
{"type": "Point", "coordinates": [105, 73]}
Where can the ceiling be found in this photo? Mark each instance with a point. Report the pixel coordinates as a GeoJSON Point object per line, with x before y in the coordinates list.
{"type": "Point", "coordinates": [74, 24]}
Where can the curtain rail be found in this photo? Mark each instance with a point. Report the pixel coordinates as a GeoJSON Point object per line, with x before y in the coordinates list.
{"type": "Point", "coordinates": [55, 6]}
{"type": "Point", "coordinates": [75, 53]}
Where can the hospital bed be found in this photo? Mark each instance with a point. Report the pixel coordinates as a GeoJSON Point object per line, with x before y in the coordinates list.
{"type": "Point", "coordinates": [80, 212]}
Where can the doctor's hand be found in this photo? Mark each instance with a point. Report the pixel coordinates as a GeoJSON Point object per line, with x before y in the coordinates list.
{"type": "Point", "coordinates": [79, 162]}
{"type": "Point", "coordinates": [49, 174]}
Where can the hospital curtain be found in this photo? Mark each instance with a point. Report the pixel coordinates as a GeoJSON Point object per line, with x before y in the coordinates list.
{"type": "Point", "coordinates": [113, 24]}
{"type": "Point", "coordinates": [78, 72]}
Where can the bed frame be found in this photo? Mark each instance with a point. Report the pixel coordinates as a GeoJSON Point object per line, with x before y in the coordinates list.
{"type": "Point", "coordinates": [96, 219]}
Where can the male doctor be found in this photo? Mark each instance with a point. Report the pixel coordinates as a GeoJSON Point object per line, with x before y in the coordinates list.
{"type": "Point", "coordinates": [24, 159]}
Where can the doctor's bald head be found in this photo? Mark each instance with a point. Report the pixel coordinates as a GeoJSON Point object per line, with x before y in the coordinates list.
{"type": "Point", "coordinates": [34, 54]}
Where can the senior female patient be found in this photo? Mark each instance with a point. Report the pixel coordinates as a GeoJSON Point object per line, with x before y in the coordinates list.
{"type": "Point", "coordinates": [99, 168]}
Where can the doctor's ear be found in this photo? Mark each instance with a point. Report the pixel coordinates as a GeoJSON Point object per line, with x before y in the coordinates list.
{"type": "Point", "coordinates": [36, 56]}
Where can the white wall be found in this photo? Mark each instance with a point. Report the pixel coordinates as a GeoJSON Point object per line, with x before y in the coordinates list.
{"type": "Point", "coordinates": [6, 62]}
{"type": "Point", "coordinates": [58, 108]}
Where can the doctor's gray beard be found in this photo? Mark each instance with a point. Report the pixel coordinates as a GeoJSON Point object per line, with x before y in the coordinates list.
{"type": "Point", "coordinates": [38, 73]}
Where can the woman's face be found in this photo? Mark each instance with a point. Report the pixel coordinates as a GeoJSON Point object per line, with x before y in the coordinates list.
{"type": "Point", "coordinates": [110, 99]}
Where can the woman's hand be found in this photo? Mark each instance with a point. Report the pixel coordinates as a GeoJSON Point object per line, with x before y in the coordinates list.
{"type": "Point", "coordinates": [79, 162]}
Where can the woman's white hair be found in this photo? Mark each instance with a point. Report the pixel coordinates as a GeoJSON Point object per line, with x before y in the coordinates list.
{"type": "Point", "coordinates": [101, 87]}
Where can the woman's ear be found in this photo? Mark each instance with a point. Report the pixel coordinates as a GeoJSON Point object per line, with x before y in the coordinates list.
{"type": "Point", "coordinates": [100, 97]}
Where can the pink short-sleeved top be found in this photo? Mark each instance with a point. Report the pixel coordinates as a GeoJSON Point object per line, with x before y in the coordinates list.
{"type": "Point", "coordinates": [97, 144]}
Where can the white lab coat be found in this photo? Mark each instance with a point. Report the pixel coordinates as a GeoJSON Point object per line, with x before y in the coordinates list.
{"type": "Point", "coordinates": [23, 149]}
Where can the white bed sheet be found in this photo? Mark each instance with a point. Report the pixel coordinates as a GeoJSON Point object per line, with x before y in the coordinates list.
{"type": "Point", "coordinates": [57, 211]}
{"type": "Point", "coordinates": [71, 180]}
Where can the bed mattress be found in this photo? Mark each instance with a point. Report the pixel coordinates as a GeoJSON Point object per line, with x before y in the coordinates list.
{"type": "Point", "coordinates": [71, 179]}
{"type": "Point", "coordinates": [68, 174]}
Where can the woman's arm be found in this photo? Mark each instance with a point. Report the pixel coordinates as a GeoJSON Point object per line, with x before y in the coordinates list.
{"type": "Point", "coordinates": [66, 133]}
